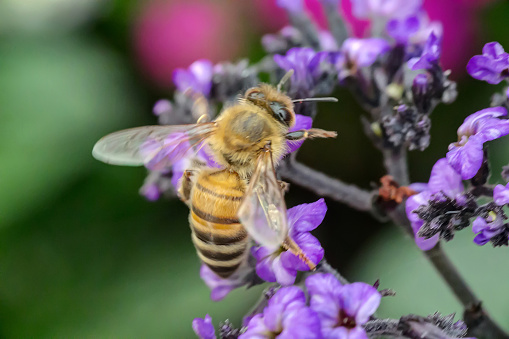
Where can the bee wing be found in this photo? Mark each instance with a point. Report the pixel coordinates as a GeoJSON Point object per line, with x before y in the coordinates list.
{"type": "Point", "coordinates": [125, 147]}
{"type": "Point", "coordinates": [263, 210]}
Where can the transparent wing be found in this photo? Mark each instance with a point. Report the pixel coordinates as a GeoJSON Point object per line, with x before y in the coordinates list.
{"type": "Point", "coordinates": [263, 210]}
{"type": "Point", "coordinates": [137, 146]}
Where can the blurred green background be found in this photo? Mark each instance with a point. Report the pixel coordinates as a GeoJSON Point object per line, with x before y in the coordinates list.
{"type": "Point", "coordinates": [83, 255]}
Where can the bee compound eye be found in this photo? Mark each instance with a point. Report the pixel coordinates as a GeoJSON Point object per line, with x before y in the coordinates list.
{"type": "Point", "coordinates": [281, 112]}
{"type": "Point", "coordinates": [285, 115]}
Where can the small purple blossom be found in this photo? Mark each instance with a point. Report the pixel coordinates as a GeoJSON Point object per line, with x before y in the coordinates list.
{"type": "Point", "coordinates": [309, 68]}
{"type": "Point", "coordinates": [501, 194]}
{"type": "Point", "coordinates": [282, 265]}
{"type": "Point", "coordinates": [342, 309]}
{"type": "Point", "coordinates": [286, 316]}
{"type": "Point", "coordinates": [204, 328]}
{"type": "Point", "coordinates": [488, 227]}
{"type": "Point", "coordinates": [150, 191]}
{"type": "Point", "coordinates": [466, 155]}
{"type": "Point", "coordinates": [402, 29]}
{"type": "Point", "coordinates": [430, 55]}
{"type": "Point", "coordinates": [363, 52]}
{"type": "Point", "coordinates": [220, 287]}
{"type": "Point", "coordinates": [198, 77]}
{"type": "Point", "coordinates": [365, 9]}
{"type": "Point", "coordinates": [443, 180]}
{"type": "Point", "coordinates": [492, 66]}
{"type": "Point", "coordinates": [162, 106]}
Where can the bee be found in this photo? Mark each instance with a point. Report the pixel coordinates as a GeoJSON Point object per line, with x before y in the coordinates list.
{"type": "Point", "coordinates": [242, 199]}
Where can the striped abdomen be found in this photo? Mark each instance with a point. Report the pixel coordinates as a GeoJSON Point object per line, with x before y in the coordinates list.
{"type": "Point", "coordinates": [220, 240]}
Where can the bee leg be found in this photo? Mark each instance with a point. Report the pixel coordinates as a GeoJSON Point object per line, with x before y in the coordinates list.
{"type": "Point", "coordinates": [187, 184]}
{"type": "Point", "coordinates": [284, 186]}
{"type": "Point", "coordinates": [310, 134]}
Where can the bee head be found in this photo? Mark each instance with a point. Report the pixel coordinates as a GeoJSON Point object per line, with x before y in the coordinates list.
{"type": "Point", "coordinates": [277, 104]}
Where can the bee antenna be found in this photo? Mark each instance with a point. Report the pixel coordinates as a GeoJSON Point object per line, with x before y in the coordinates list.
{"type": "Point", "coordinates": [284, 79]}
{"type": "Point", "coordinates": [325, 99]}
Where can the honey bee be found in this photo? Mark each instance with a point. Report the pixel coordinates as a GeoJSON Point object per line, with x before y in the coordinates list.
{"type": "Point", "coordinates": [242, 199]}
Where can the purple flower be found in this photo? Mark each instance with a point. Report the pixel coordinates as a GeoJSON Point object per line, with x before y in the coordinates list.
{"type": "Point", "coordinates": [443, 180]}
{"type": "Point", "coordinates": [364, 9]}
{"type": "Point", "coordinates": [501, 194]}
{"type": "Point", "coordinates": [220, 287]}
{"type": "Point", "coordinates": [301, 122]}
{"type": "Point", "coordinates": [286, 316]}
{"type": "Point", "coordinates": [488, 227]}
{"type": "Point", "coordinates": [363, 52]}
{"type": "Point", "coordinates": [282, 265]}
{"type": "Point", "coordinates": [150, 191]}
{"type": "Point", "coordinates": [162, 106]}
{"type": "Point", "coordinates": [492, 66]}
{"type": "Point", "coordinates": [197, 78]}
{"type": "Point", "coordinates": [204, 328]}
{"type": "Point", "coordinates": [466, 155]}
{"type": "Point", "coordinates": [309, 68]}
{"type": "Point", "coordinates": [342, 309]}
{"type": "Point", "coordinates": [430, 55]}
{"type": "Point", "coordinates": [402, 29]}
{"type": "Point", "coordinates": [291, 5]}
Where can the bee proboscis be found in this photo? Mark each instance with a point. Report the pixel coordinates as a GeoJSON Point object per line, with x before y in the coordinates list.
{"type": "Point", "coordinates": [243, 198]}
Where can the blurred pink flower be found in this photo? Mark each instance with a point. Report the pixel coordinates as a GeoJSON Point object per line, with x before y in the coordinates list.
{"type": "Point", "coordinates": [174, 33]}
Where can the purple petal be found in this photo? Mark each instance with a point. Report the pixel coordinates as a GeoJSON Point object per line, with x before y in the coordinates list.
{"type": "Point", "coordinates": [479, 225]}
{"type": "Point", "coordinates": [445, 179]}
{"type": "Point", "coordinates": [402, 29]}
{"type": "Point", "coordinates": [324, 297]}
{"type": "Point", "coordinates": [467, 159]}
{"type": "Point", "coordinates": [481, 239]}
{"type": "Point", "coordinates": [301, 122]}
{"type": "Point", "coordinates": [418, 186]}
{"type": "Point", "coordinates": [501, 194]}
{"type": "Point", "coordinates": [491, 129]}
{"type": "Point", "coordinates": [364, 52]}
{"type": "Point", "coordinates": [161, 107]}
{"type": "Point", "coordinates": [197, 78]}
{"type": "Point", "coordinates": [471, 124]}
{"type": "Point", "coordinates": [301, 322]}
{"type": "Point", "coordinates": [285, 274]}
{"type": "Point", "coordinates": [204, 328]}
{"type": "Point", "coordinates": [493, 49]}
{"type": "Point", "coordinates": [219, 287]}
{"type": "Point", "coordinates": [306, 217]}
{"type": "Point", "coordinates": [360, 300]}
{"type": "Point", "coordinates": [412, 204]}
{"type": "Point", "coordinates": [264, 263]}
{"type": "Point", "coordinates": [287, 296]}
{"type": "Point", "coordinates": [322, 283]}
{"type": "Point", "coordinates": [311, 248]}
{"type": "Point", "coordinates": [256, 329]}
{"type": "Point", "coordinates": [150, 191]}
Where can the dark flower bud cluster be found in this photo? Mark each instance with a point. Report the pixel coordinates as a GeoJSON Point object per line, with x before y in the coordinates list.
{"type": "Point", "coordinates": [444, 215]}
{"type": "Point", "coordinates": [406, 126]}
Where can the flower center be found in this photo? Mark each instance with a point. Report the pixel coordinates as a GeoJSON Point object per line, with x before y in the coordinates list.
{"type": "Point", "coordinates": [505, 73]}
{"type": "Point", "coordinates": [345, 320]}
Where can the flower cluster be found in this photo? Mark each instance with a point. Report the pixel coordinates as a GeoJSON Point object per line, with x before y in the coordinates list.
{"type": "Point", "coordinates": [396, 76]}
{"type": "Point", "coordinates": [334, 311]}
{"type": "Point", "coordinates": [444, 206]}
